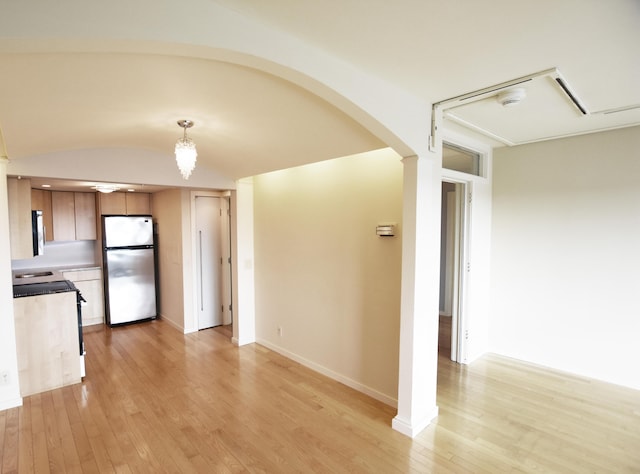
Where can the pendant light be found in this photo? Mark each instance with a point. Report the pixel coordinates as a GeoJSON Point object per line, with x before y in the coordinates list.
{"type": "Point", "coordinates": [186, 153]}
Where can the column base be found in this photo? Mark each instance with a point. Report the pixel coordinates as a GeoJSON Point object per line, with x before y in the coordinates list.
{"type": "Point", "coordinates": [413, 428]}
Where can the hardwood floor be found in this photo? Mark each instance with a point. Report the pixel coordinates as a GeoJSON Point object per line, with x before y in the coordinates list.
{"type": "Point", "coordinates": [156, 400]}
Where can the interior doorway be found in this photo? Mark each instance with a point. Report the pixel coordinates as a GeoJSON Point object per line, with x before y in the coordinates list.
{"type": "Point", "coordinates": [452, 258]}
{"type": "Point", "coordinates": [213, 261]}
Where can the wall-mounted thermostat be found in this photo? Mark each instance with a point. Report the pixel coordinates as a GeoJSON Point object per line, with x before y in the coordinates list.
{"type": "Point", "coordinates": [386, 230]}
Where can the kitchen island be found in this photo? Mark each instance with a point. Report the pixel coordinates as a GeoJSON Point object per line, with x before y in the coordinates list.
{"type": "Point", "coordinates": [48, 334]}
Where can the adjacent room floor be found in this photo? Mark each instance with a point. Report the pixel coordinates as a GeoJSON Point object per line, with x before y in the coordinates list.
{"type": "Point", "coordinates": [156, 400]}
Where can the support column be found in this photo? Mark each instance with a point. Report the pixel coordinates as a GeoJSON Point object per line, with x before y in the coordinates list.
{"type": "Point", "coordinates": [242, 254]}
{"type": "Point", "coordinates": [9, 383]}
{"type": "Point", "coordinates": [419, 294]}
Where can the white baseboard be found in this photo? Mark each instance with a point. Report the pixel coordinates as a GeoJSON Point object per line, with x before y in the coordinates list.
{"type": "Point", "coordinates": [331, 374]}
{"type": "Point", "coordinates": [92, 321]}
{"type": "Point", "coordinates": [413, 428]}
{"type": "Point", "coordinates": [10, 403]}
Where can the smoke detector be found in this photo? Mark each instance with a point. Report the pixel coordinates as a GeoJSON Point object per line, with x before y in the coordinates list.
{"type": "Point", "coordinates": [511, 97]}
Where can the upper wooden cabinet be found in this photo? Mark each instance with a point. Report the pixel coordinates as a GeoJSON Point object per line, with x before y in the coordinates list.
{"type": "Point", "coordinates": [64, 217]}
{"type": "Point", "coordinates": [125, 203]}
{"type": "Point", "coordinates": [138, 203]}
{"type": "Point", "coordinates": [41, 201]}
{"type": "Point", "coordinates": [85, 212]}
{"type": "Point", "coordinates": [19, 196]}
{"type": "Point", "coordinates": [67, 215]}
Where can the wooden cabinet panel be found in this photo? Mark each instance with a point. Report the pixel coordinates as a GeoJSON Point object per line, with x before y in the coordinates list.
{"type": "Point", "coordinates": [73, 216]}
{"type": "Point", "coordinates": [85, 216]}
{"type": "Point", "coordinates": [19, 198]}
{"type": "Point", "coordinates": [89, 282]}
{"type": "Point", "coordinates": [113, 203]}
{"type": "Point", "coordinates": [47, 342]}
{"type": "Point", "coordinates": [41, 201]}
{"type": "Point", "coordinates": [125, 203]}
{"type": "Point", "coordinates": [64, 216]}
{"type": "Point", "coordinates": [138, 203]}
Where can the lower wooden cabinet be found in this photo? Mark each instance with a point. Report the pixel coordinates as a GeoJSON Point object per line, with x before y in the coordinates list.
{"type": "Point", "coordinates": [89, 282]}
{"type": "Point", "coordinates": [47, 342]}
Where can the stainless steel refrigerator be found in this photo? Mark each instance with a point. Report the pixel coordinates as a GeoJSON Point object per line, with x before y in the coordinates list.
{"type": "Point", "coordinates": [129, 269]}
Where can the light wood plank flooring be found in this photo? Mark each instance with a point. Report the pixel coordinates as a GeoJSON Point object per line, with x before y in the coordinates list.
{"type": "Point", "coordinates": [156, 400]}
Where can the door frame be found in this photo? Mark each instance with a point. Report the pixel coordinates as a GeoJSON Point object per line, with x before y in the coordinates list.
{"type": "Point", "coordinates": [460, 265]}
{"type": "Point", "coordinates": [473, 323]}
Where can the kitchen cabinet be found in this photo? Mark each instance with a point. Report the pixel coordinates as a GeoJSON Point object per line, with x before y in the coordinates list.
{"type": "Point", "coordinates": [85, 213]}
{"type": "Point", "coordinates": [125, 203]}
{"type": "Point", "coordinates": [47, 342]}
{"type": "Point", "coordinates": [138, 203]}
{"type": "Point", "coordinates": [73, 215]}
{"type": "Point", "coordinates": [19, 197]}
{"type": "Point", "coordinates": [41, 201]}
{"type": "Point", "coordinates": [89, 282]}
{"type": "Point", "coordinates": [64, 218]}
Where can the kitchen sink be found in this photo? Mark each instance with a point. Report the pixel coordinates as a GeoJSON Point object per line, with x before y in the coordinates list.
{"type": "Point", "coordinates": [34, 275]}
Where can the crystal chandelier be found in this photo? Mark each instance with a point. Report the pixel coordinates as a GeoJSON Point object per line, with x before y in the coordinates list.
{"type": "Point", "coordinates": [186, 151]}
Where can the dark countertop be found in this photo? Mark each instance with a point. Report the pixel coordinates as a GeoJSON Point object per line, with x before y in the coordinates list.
{"type": "Point", "coordinates": [43, 288]}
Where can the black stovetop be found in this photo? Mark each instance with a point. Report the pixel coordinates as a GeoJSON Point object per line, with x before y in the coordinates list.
{"type": "Point", "coordinates": [50, 287]}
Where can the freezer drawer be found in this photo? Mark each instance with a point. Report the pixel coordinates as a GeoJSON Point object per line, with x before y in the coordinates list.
{"type": "Point", "coordinates": [128, 231]}
{"type": "Point", "coordinates": [130, 281]}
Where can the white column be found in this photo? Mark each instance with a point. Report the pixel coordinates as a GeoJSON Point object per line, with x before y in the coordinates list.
{"type": "Point", "coordinates": [9, 383]}
{"type": "Point", "coordinates": [419, 294]}
{"type": "Point", "coordinates": [242, 254]}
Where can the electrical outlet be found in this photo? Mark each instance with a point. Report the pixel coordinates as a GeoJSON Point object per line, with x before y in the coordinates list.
{"type": "Point", "coordinates": [4, 377]}
{"type": "Point", "coordinates": [280, 331]}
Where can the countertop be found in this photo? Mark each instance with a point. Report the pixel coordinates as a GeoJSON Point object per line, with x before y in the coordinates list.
{"type": "Point", "coordinates": [56, 273]}
{"type": "Point", "coordinates": [37, 289]}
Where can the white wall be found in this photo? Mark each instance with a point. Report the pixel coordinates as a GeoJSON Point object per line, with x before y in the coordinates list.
{"type": "Point", "coordinates": [565, 255]}
{"type": "Point", "coordinates": [324, 276]}
{"type": "Point", "coordinates": [59, 254]}
{"type": "Point", "coordinates": [9, 386]}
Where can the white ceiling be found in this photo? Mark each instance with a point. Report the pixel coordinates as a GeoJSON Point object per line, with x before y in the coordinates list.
{"type": "Point", "coordinates": [439, 50]}
{"type": "Point", "coordinates": [249, 122]}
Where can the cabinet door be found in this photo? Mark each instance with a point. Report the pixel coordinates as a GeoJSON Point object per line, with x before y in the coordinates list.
{"type": "Point", "coordinates": [19, 196]}
{"type": "Point", "coordinates": [113, 203]}
{"type": "Point", "coordinates": [64, 215]}
{"type": "Point", "coordinates": [85, 212]}
{"type": "Point", "coordinates": [138, 203]}
{"type": "Point", "coordinates": [41, 201]}
{"type": "Point", "coordinates": [47, 342]}
{"type": "Point", "coordinates": [93, 310]}
{"type": "Point", "coordinates": [89, 282]}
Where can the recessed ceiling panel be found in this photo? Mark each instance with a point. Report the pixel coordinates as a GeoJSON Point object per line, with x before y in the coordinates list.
{"type": "Point", "coordinates": [546, 111]}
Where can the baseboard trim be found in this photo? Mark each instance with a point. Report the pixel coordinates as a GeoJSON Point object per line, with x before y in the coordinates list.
{"type": "Point", "coordinates": [381, 397]}
{"type": "Point", "coordinates": [10, 403]}
{"type": "Point", "coordinates": [412, 429]}
{"type": "Point", "coordinates": [173, 324]}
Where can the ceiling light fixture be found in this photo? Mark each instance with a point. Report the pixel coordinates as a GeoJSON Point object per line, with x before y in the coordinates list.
{"type": "Point", "coordinates": [105, 188]}
{"type": "Point", "coordinates": [511, 97]}
{"type": "Point", "coordinates": [186, 153]}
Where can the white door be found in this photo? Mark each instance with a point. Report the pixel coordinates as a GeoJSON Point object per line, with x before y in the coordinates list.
{"type": "Point", "coordinates": [209, 261]}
